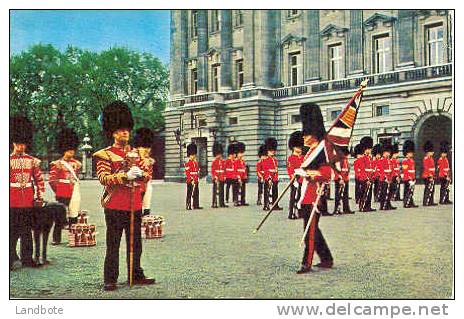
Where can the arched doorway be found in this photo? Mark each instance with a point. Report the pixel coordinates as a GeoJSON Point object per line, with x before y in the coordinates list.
{"type": "Point", "coordinates": [436, 128]}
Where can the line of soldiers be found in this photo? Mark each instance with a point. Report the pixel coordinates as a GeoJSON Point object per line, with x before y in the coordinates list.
{"type": "Point", "coordinates": [123, 170]}
{"type": "Point", "coordinates": [377, 169]}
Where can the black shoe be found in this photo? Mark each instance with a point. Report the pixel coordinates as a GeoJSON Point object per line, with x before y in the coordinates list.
{"type": "Point", "coordinates": [198, 207]}
{"type": "Point", "coordinates": [304, 270]}
{"type": "Point", "coordinates": [223, 206]}
{"type": "Point", "coordinates": [266, 208]}
{"type": "Point", "coordinates": [325, 264]}
{"type": "Point", "coordinates": [348, 212]}
{"type": "Point", "coordinates": [30, 264]}
{"type": "Point", "coordinates": [245, 204]}
{"type": "Point", "coordinates": [56, 243]}
{"type": "Point", "coordinates": [392, 207]}
{"type": "Point", "coordinates": [258, 203]}
{"type": "Point", "coordinates": [278, 208]}
{"type": "Point", "coordinates": [433, 204]}
{"type": "Point", "coordinates": [110, 287]}
{"type": "Point", "coordinates": [448, 202]}
{"type": "Point", "coordinates": [188, 207]}
{"type": "Point", "coordinates": [146, 212]}
{"type": "Point", "coordinates": [144, 281]}
{"type": "Point", "coordinates": [214, 206]}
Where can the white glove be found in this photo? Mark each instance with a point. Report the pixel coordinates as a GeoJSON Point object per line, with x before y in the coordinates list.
{"type": "Point", "coordinates": [300, 172]}
{"type": "Point", "coordinates": [133, 173]}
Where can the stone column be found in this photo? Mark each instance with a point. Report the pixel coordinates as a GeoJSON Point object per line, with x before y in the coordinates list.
{"type": "Point", "coordinates": [178, 53]}
{"type": "Point", "coordinates": [405, 38]}
{"type": "Point", "coordinates": [202, 47]}
{"type": "Point", "coordinates": [355, 43]}
{"type": "Point", "coordinates": [226, 50]}
{"type": "Point", "coordinates": [312, 46]}
{"type": "Point", "coordinates": [248, 48]}
{"type": "Point", "coordinates": [267, 43]}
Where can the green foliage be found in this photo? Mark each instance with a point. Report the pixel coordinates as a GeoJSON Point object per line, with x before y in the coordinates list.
{"type": "Point", "coordinates": [70, 88]}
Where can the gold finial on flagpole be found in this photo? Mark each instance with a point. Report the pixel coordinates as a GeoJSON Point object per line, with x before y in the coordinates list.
{"type": "Point", "coordinates": [364, 83]}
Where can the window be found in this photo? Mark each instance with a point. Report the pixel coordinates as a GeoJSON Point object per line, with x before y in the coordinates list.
{"type": "Point", "coordinates": [383, 55]}
{"type": "Point", "coordinates": [296, 118]}
{"type": "Point", "coordinates": [239, 68]}
{"type": "Point", "coordinates": [215, 77]}
{"type": "Point", "coordinates": [385, 140]}
{"type": "Point", "coordinates": [202, 122]}
{"type": "Point", "coordinates": [335, 114]}
{"type": "Point", "coordinates": [335, 65]}
{"type": "Point", "coordinates": [194, 24]}
{"type": "Point", "coordinates": [381, 110]}
{"type": "Point", "coordinates": [194, 81]}
{"type": "Point", "coordinates": [214, 21]}
{"type": "Point", "coordinates": [294, 62]}
{"type": "Point", "coordinates": [292, 13]}
{"type": "Point", "coordinates": [238, 18]}
{"type": "Point", "coordinates": [435, 44]}
{"type": "Point", "coordinates": [233, 120]}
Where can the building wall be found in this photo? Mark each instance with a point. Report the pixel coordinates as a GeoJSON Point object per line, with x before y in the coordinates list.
{"type": "Point", "coordinates": [415, 93]}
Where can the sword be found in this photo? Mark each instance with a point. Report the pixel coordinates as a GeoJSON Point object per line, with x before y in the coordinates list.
{"type": "Point", "coordinates": [412, 185]}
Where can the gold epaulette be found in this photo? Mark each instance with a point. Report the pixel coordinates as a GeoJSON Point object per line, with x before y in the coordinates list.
{"type": "Point", "coordinates": [103, 153]}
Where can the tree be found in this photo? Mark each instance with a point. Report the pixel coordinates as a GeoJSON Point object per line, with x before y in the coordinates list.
{"type": "Point", "coordinates": [71, 88]}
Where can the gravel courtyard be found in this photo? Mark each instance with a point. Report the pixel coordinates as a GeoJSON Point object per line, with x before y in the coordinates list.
{"type": "Point", "coordinates": [212, 253]}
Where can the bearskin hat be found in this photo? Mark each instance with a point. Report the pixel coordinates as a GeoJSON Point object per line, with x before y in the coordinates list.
{"type": "Point", "coordinates": [376, 149]}
{"type": "Point", "coordinates": [366, 142]}
{"type": "Point", "coordinates": [67, 140]}
{"type": "Point", "coordinates": [408, 147]}
{"type": "Point", "coordinates": [444, 147]}
{"type": "Point", "coordinates": [271, 144]}
{"type": "Point", "coordinates": [144, 137]}
{"type": "Point", "coordinates": [231, 149]}
{"type": "Point", "coordinates": [386, 147]}
{"type": "Point", "coordinates": [240, 148]}
{"type": "Point", "coordinates": [395, 148]}
{"type": "Point", "coordinates": [428, 146]}
{"type": "Point", "coordinates": [262, 151]}
{"type": "Point", "coordinates": [217, 149]}
{"type": "Point", "coordinates": [191, 149]}
{"type": "Point", "coordinates": [312, 120]}
{"type": "Point", "coordinates": [295, 140]}
{"type": "Point", "coordinates": [116, 115]}
{"type": "Point", "coordinates": [358, 150]}
{"type": "Point", "coordinates": [21, 130]}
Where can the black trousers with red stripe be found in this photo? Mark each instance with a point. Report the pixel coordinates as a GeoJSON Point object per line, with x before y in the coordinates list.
{"type": "Point", "coordinates": [314, 240]}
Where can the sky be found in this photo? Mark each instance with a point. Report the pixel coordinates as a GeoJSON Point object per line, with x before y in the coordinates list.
{"type": "Point", "coordinates": [95, 30]}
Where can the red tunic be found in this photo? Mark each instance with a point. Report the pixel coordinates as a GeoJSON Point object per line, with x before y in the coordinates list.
{"type": "Point", "coordinates": [241, 169]}
{"type": "Point", "coordinates": [191, 171]}
{"type": "Point", "coordinates": [385, 169]}
{"type": "Point", "coordinates": [61, 179]}
{"type": "Point", "coordinates": [110, 162]}
{"type": "Point", "coordinates": [443, 167]}
{"type": "Point", "coordinates": [375, 167]}
{"type": "Point", "coordinates": [230, 168]}
{"type": "Point", "coordinates": [344, 171]}
{"type": "Point", "coordinates": [270, 167]}
{"type": "Point", "coordinates": [409, 172]}
{"type": "Point", "coordinates": [260, 170]}
{"type": "Point", "coordinates": [429, 167]}
{"type": "Point", "coordinates": [395, 162]}
{"type": "Point", "coordinates": [293, 162]}
{"type": "Point", "coordinates": [217, 170]}
{"type": "Point", "coordinates": [357, 168]}
{"type": "Point", "coordinates": [365, 168]}
{"type": "Point", "coordinates": [25, 178]}
{"type": "Point", "coordinates": [309, 187]}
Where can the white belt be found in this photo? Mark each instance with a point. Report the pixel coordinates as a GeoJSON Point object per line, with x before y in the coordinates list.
{"type": "Point", "coordinates": [20, 185]}
{"type": "Point", "coordinates": [230, 169]}
{"type": "Point", "coordinates": [344, 170]}
{"type": "Point", "coordinates": [369, 170]}
{"type": "Point", "coordinates": [388, 170]}
{"type": "Point", "coordinates": [219, 171]}
{"type": "Point", "coordinates": [431, 169]}
{"type": "Point", "coordinates": [193, 173]}
{"type": "Point", "coordinates": [64, 181]}
{"type": "Point", "coordinates": [271, 170]}
{"type": "Point", "coordinates": [446, 169]}
{"type": "Point", "coordinates": [241, 170]}
{"type": "Point", "coordinates": [411, 171]}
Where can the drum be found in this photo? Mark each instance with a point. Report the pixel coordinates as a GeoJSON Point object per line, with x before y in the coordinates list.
{"type": "Point", "coordinates": [152, 227]}
{"type": "Point", "coordinates": [82, 234]}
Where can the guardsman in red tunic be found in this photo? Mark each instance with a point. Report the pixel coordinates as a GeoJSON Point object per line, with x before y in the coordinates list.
{"type": "Point", "coordinates": [218, 176]}
{"type": "Point", "coordinates": [396, 173]}
{"type": "Point", "coordinates": [376, 156]}
{"type": "Point", "coordinates": [26, 190]}
{"type": "Point", "coordinates": [192, 171]}
{"type": "Point", "coordinates": [120, 171]}
{"type": "Point", "coordinates": [342, 185]}
{"type": "Point", "coordinates": [444, 174]}
{"type": "Point", "coordinates": [314, 178]}
{"type": "Point", "coordinates": [64, 180]}
{"type": "Point", "coordinates": [409, 174]}
{"type": "Point", "coordinates": [428, 175]}
{"type": "Point", "coordinates": [385, 177]}
{"type": "Point", "coordinates": [231, 173]}
{"type": "Point", "coordinates": [271, 174]}
{"type": "Point", "coordinates": [366, 172]}
{"type": "Point", "coordinates": [143, 142]}
{"type": "Point", "coordinates": [357, 154]}
{"type": "Point", "coordinates": [262, 154]}
{"type": "Point", "coordinates": [242, 176]}
{"type": "Point", "coordinates": [294, 161]}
